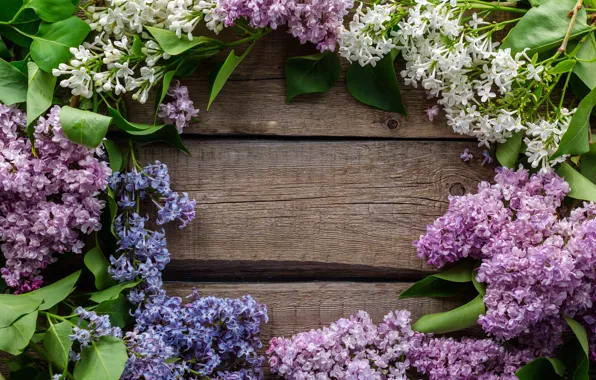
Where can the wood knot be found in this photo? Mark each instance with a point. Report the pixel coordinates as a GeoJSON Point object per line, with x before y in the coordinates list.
{"type": "Point", "coordinates": [457, 189]}
{"type": "Point", "coordinates": [392, 124]}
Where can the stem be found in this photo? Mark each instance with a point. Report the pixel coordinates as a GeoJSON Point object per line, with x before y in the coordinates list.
{"type": "Point", "coordinates": [573, 15]}
{"type": "Point", "coordinates": [507, 7]}
{"type": "Point", "coordinates": [46, 356]}
{"type": "Point", "coordinates": [564, 91]}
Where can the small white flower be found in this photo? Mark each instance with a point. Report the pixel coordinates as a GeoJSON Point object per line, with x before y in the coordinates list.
{"type": "Point", "coordinates": [533, 72]}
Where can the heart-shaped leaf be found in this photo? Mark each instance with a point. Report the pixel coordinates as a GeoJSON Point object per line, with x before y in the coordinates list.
{"type": "Point", "coordinates": [581, 187]}
{"type": "Point", "coordinates": [84, 127]}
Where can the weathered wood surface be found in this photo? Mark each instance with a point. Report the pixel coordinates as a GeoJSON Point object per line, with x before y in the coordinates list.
{"type": "Point", "coordinates": [253, 103]}
{"type": "Point", "coordinates": [303, 306]}
{"type": "Point", "coordinates": [310, 209]}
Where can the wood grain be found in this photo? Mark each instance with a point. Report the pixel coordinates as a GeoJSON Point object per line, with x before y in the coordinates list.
{"type": "Point", "coordinates": [310, 209]}
{"type": "Point", "coordinates": [253, 103]}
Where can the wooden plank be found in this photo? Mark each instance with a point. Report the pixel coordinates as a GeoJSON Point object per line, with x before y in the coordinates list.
{"type": "Point", "coordinates": [310, 209]}
{"type": "Point", "coordinates": [258, 108]}
{"type": "Point", "coordinates": [253, 102]}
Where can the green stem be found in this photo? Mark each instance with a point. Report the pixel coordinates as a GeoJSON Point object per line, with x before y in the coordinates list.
{"type": "Point", "coordinates": [16, 16]}
{"type": "Point", "coordinates": [478, 4]}
{"type": "Point", "coordinates": [46, 356]}
{"type": "Point", "coordinates": [564, 91]}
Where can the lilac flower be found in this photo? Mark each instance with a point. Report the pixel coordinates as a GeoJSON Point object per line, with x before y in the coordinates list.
{"type": "Point", "coordinates": [432, 112]}
{"type": "Point", "coordinates": [487, 158]}
{"type": "Point", "coordinates": [537, 267]}
{"type": "Point", "coordinates": [179, 110]}
{"type": "Point", "coordinates": [446, 358]}
{"type": "Point", "coordinates": [214, 337]}
{"type": "Point", "coordinates": [97, 326]}
{"type": "Point", "coordinates": [317, 22]}
{"type": "Point", "coordinates": [351, 348]}
{"type": "Point", "coordinates": [466, 155]}
{"type": "Point", "coordinates": [48, 196]}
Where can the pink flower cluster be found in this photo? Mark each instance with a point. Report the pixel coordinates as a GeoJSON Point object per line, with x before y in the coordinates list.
{"type": "Point", "coordinates": [353, 348]}
{"type": "Point", "coordinates": [478, 359]}
{"type": "Point", "coordinates": [315, 21]}
{"type": "Point", "coordinates": [47, 196]}
{"type": "Point", "coordinates": [538, 267]}
{"type": "Point", "coordinates": [179, 110]}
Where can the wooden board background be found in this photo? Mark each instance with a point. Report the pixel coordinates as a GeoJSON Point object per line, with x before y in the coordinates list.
{"type": "Point", "coordinates": [312, 206]}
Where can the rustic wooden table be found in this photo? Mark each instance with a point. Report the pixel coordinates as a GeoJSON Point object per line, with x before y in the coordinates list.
{"type": "Point", "coordinates": [312, 206]}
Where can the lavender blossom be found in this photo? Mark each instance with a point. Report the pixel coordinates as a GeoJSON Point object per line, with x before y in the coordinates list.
{"type": "Point", "coordinates": [96, 327]}
{"type": "Point", "coordinates": [179, 110]}
{"type": "Point", "coordinates": [351, 348]}
{"type": "Point", "coordinates": [48, 195]}
{"type": "Point", "coordinates": [466, 156]}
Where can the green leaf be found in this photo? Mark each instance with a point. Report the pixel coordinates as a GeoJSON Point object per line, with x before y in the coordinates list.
{"type": "Point", "coordinates": [97, 263]}
{"type": "Point", "coordinates": [171, 44]}
{"type": "Point", "coordinates": [21, 66]}
{"type": "Point", "coordinates": [311, 73]}
{"type": "Point", "coordinates": [508, 152]}
{"type": "Point", "coordinates": [84, 127]}
{"type": "Point", "coordinates": [542, 368]}
{"type": "Point", "coordinates": [580, 334]}
{"type": "Point", "coordinates": [581, 187]}
{"type": "Point", "coordinates": [576, 352]}
{"type": "Point", "coordinates": [13, 84]}
{"type": "Point", "coordinates": [113, 206]}
{"type": "Point", "coordinates": [51, 45]}
{"type": "Point", "coordinates": [57, 342]}
{"type": "Point", "coordinates": [102, 360]}
{"type": "Point", "coordinates": [12, 307]}
{"type": "Point", "coordinates": [576, 138]}
{"type": "Point", "coordinates": [588, 164]}
{"type": "Point", "coordinates": [167, 79]}
{"type": "Point", "coordinates": [117, 309]}
{"type": "Point", "coordinates": [39, 93]}
{"type": "Point", "coordinates": [9, 9]}
{"type": "Point", "coordinates": [54, 293]}
{"type": "Point", "coordinates": [38, 337]}
{"type": "Point", "coordinates": [114, 154]}
{"type": "Point", "coordinates": [113, 292]}
{"type": "Point", "coordinates": [52, 10]}
{"type": "Point", "coordinates": [161, 133]}
{"type": "Point", "coordinates": [14, 338]}
{"type": "Point", "coordinates": [448, 283]}
{"type": "Point", "coordinates": [544, 27]}
{"type": "Point", "coordinates": [457, 319]}
{"type": "Point", "coordinates": [4, 52]}
{"type": "Point", "coordinates": [225, 71]}
{"type": "Point", "coordinates": [563, 66]}
{"type": "Point", "coordinates": [376, 86]}
{"type": "Point", "coordinates": [586, 64]}
{"type": "Point", "coordinates": [148, 133]}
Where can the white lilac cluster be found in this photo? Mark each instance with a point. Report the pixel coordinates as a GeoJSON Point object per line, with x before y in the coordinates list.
{"type": "Point", "coordinates": [129, 17]}
{"type": "Point", "coordinates": [484, 91]}
{"type": "Point", "coordinates": [106, 65]}
{"type": "Point", "coordinates": [368, 38]}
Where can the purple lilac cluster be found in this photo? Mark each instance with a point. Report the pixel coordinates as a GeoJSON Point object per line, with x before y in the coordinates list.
{"type": "Point", "coordinates": [179, 110]}
{"type": "Point", "coordinates": [48, 195]}
{"type": "Point", "coordinates": [353, 348]}
{"type": "Point", "coordinates": [143, 252]}
{"type": "Point", "coordinates": [483, 359]}
{"type": "Point", "coordinates": [95, 327]}
{"type": "Point", "coordinates": [537, 266]}
{"type": "Point", "coordinates": [210, 337]}
{"type": "Point", "coordinates": [315, 21]}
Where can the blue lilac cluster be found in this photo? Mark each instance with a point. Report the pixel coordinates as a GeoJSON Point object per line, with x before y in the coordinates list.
{"type": "Point", "coordinates": [537, 266]}
{"type": "Point", "coordinates": [94, 328]}
{"type": "Point", "coordinates": [209, 337]}
{"type": "Point", "coordinates": [479, 359]}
